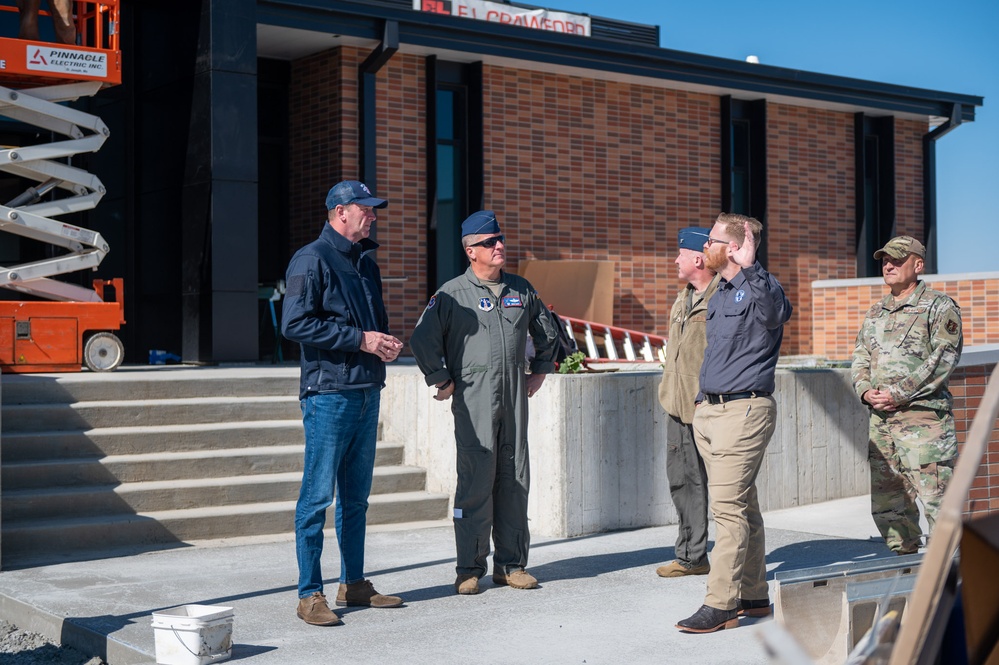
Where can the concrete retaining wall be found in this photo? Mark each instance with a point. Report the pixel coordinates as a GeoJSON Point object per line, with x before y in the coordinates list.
{"type": "Point", "coordinates": [598, 459]}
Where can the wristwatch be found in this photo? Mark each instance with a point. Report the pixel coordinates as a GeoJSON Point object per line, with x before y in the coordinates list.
{"type": "Point", "coordinates": [442, 386]}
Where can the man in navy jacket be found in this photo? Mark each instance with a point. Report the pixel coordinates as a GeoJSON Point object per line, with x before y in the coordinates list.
{"type": "Point", "coordinates": [333, 308]}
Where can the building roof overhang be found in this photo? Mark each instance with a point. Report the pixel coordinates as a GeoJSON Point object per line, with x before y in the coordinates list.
{"type": "Point", "coordinates": [291, 29]}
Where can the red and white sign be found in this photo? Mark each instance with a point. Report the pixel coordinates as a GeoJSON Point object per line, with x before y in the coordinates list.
{"type": "Point", "coordinates": [483, 10]}
{"type": "Point", "coordinates": [65, 60]}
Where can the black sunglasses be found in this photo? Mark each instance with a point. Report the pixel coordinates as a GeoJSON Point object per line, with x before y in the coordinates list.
{"type": "Point", "coordinates": [488, 243]}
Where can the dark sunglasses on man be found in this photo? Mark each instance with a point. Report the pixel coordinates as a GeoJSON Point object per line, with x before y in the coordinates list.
{"type": "Point", "coordinates": [489, 243]}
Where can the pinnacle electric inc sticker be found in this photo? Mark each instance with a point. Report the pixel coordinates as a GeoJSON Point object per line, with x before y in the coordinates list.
{"type": "Point", "coordinates": [62, 60]}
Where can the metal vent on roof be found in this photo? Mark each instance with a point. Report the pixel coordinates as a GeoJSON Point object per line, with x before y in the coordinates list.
{"type": "Point", "coordinates": [622, 31]}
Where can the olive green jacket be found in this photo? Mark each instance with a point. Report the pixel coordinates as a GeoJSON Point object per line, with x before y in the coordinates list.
{"type": "Point", "coordinates": [685, 351]}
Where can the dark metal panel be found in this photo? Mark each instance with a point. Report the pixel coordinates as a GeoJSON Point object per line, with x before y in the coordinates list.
{"type": "Point", "coordinates": [233, 240]}
{"type": "Point", "coordinates": [233, 118]}
{"type": "Point", "coordinates": [726, 152]}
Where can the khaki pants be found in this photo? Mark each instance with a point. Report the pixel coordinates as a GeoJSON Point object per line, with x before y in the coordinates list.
{"type": "Point", "coordinates": [732, 439]}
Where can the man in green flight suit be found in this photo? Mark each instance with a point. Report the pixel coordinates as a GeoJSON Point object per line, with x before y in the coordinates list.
{"type": "Point", "coordinates": [906, 349]}
{"type": "Point", "coordinates": [470, 343]}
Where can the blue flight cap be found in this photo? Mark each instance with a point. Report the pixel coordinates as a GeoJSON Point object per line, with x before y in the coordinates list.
{"type": "Point", "coordinates": [694, 237]}
{"type": "Point", "coordinates": [352, 191]}
{"type": "Point", "coordinates": [483, 222]}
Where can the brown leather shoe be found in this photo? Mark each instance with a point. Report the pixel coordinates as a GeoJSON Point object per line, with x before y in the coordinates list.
{"type": "Point", "coordinates": [518, 579]}
{"type": "Point", "coordinates": [316, 611]}
{"type": "Point", "coordinates": [466, 585]}
{"type": "Point", "coordinates": [754, 608]}
{"type": "Point", "coordinates": [363, 594]}
{"type": "Point", "coordinates": [677, 569]}
{"type": "Point", "coordinates": [709, 619]}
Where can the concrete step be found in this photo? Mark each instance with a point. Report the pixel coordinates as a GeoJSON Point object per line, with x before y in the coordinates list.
{"type": "Point", "coordinates": [104, 441]}
{"type": "Point", "coordinates": [146, 383]}
{"type": "Point", "coordinates": [163, 528]}
{"type": "Point", "coordinates": [159, 495]}
{"type": "Point", "coordinates": [149, 457]}
{"type": "Point", "coordinates": [116, 469]}
{"type": "Point", "coordinates": [101, 441]}
{"type": "Point", "coordinates": [146, 413]}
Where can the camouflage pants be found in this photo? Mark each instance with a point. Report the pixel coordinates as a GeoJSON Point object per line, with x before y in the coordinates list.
{"type": "Point", "coordinates": [912, 454]}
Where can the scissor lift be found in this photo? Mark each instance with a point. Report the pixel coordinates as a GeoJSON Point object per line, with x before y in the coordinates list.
{"type": "Point", "coordinates": [72, 325]}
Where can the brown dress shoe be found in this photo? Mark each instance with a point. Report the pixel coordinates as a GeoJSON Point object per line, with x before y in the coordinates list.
{"type": "Point", "coordinates": [754, 608]}
{"type": "Point", "coordinates": [677, 569]}
{"type": "Point", "coordinates": [363, 594]}
{"type": "Point", "coordinates": [466, 585]}
{"type": "Point", "coordinates": [316, 611]}
{"type": "Point", "coordinates": [518, 579]}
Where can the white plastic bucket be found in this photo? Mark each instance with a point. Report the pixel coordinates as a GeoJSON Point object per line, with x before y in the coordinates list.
{"type": "Point", "coordinates": [193, 634]}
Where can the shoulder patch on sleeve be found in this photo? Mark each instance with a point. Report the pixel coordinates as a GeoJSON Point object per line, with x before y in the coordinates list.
{"type": "Point", "coordinates": [432, 302]}
{"type": "Point", "coordinates": [295, 285]}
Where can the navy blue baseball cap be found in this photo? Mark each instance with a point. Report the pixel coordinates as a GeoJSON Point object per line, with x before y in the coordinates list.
{"type": "Point", "coordinates": [694, 237]}
{"type": "Point", "coordinates": [483, 222]}
{"type": "Point", "coordinates": [352, 191]}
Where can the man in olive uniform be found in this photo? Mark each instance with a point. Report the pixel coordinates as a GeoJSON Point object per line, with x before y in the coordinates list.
{"type": "Point", "coordinates": [470, 344]}
{"type": "Point", "coordinates": [908, 345]}
{"type": "Point", "coordinates": [688, 481]}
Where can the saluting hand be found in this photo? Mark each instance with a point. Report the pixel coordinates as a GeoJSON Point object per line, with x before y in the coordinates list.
{"type": "Point", "coordinates": [745, 255]}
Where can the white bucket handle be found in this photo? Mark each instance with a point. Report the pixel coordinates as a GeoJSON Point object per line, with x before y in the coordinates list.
{"type": "Point", "coordinates": [180, 639]}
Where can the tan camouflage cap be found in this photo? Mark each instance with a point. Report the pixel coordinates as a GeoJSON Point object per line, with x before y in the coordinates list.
{"type": "Point", "coordinates": [900, 247]}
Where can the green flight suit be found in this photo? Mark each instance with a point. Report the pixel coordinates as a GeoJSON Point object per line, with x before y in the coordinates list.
{"type": "Point", "coordinates": [478, 340]}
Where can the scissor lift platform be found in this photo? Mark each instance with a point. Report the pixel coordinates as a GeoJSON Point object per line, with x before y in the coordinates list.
{"type": "Point", "coordinates": [37, 78]}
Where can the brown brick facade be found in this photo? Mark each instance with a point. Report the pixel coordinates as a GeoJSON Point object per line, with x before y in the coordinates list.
{"type": "Point", "coordinates": [581, 168]}
{"type": "Point", "coordinates": [839, 309]}
{"type": "Point", "coordinates": [968, 386]}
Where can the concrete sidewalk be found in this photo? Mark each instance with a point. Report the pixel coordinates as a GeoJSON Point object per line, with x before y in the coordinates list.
{"type": "Point", "coordinates": [600, 600]}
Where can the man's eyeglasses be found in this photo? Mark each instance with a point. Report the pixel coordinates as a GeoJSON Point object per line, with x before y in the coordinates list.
{"type": "Point", "coordinates": [489, 243]}
{"type": "Point", "coordinates": [711, 241]}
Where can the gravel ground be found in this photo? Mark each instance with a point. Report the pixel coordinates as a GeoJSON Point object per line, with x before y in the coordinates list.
{"type": "Point", "coordinates": [20, 648]}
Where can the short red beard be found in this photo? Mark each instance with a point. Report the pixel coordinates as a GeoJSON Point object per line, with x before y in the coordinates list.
{"type": "Point", "coordinates": [716, 258]}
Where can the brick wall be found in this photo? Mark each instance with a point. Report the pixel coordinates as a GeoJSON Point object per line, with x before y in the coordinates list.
{"type": "Point", "coordinates": [839, 307]}
{"type": "Point", "coordinates": [324, 149]}
{"type": "Point", "coordinates": [968, 386]}
{"type": "Point", "coordinates": [586, 169]}
{"type": "Point", "coordinates": [583, 169]}
{"type": "Point", "coordinates": [810, 215]}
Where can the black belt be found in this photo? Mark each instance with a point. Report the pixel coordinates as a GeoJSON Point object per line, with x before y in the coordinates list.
{"type": "Point", "coordinates": [728, 397]}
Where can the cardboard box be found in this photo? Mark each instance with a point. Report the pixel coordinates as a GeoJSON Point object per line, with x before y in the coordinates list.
{"type": "Point", "coordinates": [580, 289]}
{"type": "Point", "coordinates": [980, 588]}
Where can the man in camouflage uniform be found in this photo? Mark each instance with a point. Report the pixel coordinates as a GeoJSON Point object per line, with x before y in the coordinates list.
{"type": "Point", "coordinates": [908, 345]}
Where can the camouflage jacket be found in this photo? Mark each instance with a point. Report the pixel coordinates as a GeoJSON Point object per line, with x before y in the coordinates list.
{"type": "Point", "coordinates": [910, 347]}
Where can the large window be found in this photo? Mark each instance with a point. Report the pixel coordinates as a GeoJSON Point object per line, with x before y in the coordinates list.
{"type": "Point", "coordinates": [744, 161]}
{"type": "Point", "coordinates": [454, 103]}
{"type": "Point", "coordinates": [874, 144]}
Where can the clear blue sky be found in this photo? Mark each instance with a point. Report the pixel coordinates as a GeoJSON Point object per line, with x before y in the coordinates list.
{"type": "Point", "coordinates": [951, 47]}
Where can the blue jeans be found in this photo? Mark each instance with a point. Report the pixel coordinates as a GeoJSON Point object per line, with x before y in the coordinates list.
{"type": "Point", "coordinates": [340, 432]}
